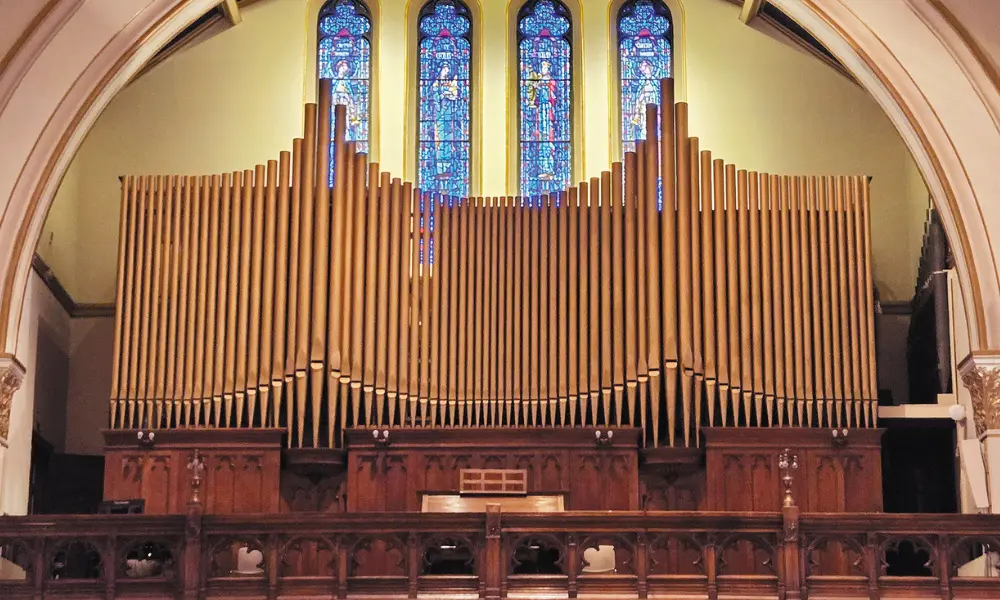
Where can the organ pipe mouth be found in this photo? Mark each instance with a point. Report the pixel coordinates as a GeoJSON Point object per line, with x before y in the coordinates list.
{"type": "Point", "coordinates": [669, 293]}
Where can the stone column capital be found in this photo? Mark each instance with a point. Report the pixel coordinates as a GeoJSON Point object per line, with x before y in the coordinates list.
{"type": "Point", "coordinates": [980, 372]}
{"type": "Point", "coordinates": [11, 376]}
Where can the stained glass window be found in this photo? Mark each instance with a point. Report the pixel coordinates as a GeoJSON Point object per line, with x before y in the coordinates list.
{"type": "Point", "coordinates": [545, 85]}
{"type": "Point", "coordinates": [344, 56]}
{"type": "Point", "coordinates": [444, 63]}
{"type": "Point", "coordinates": [644, 53]}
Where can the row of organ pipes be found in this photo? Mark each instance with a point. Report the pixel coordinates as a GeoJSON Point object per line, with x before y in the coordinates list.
{"type": "Point", "coordinates": [290, 297]}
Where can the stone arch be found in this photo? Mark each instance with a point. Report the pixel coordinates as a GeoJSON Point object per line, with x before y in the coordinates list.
{"type": "Point", "coordinates": [75, 56]}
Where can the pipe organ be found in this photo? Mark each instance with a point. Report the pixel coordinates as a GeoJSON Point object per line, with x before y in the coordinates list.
{"type": "Point", "coordinates": [672, 292]}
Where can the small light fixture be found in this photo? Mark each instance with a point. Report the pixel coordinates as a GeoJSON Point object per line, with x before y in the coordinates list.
{"type": "Point", "coordinates": [839, 437]}
{"type": "Point", "coordinates": [381, 438]}
{"type": "Point", "coordinates": [603, 438]}
{"type": "Point", "coordinates": [146, 438]}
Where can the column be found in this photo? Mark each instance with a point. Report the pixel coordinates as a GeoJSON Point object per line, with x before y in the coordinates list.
{"type": "Point", "coordinates": [980, 372]}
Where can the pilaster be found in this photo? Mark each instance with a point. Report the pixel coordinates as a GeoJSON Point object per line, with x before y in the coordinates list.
{"type": "Point", "coordinates": [980, 372]}
{"type": "Point", "coordinates": [11, 376]}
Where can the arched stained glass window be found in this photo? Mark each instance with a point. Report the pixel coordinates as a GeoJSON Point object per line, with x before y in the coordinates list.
{"type": "Point", "coordinates": [545, 94]}
{"type": "Point", "coordinates": [344, 55]}
{"type": "Point", "coordinates": [645, 34]}
{"type": "Point", "coordinates": [445, 62]}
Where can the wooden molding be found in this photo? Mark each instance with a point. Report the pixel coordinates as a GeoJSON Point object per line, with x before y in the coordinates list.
{"type": "Point", "coordinates": [72, 308]}
{"type": "Point", "coordinates": [750, 10]}
{"type": "Point", "coordinates": [231, 10]}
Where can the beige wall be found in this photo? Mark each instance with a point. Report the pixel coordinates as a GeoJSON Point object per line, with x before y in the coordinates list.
{"type": "Point", "coordinates": [45, 338]}
{"type": "Point", "coordinates": [235, 100]}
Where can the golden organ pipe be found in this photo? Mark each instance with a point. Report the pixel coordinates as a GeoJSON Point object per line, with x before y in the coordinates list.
{"type": "Point", "coordinates": [406, 279]}
{"type": "Point", "coordinates": [815, 299]}
{"type": "Point", "coordinates": [721, 270]}
{"type": "Point", "coordinates": [393, 341]}
{"type": "Point", "coordinates": [594, 312]}
{"type": "Point", "coordinates": [832, 219]}
{"type": "Point", "coordinates": [825, 301]}
{"type": "Point", "coordinates": [756, 325]}
{"type": "Point", "coordinates": [867, 299]}
{"type": "Point", "coordinates": [806, 250]}
{"type": "Point", "coordinates": [708, 281]}
{"type": "Point", "coordinates": [683, 272]}
{"type": "Point", "coordinates": [177, 185]}
{"type": "Point", "coordinates": [291, 328]}
{"type": "Point", "coordinates": [551, 304]}
{"type": "Point", "coordinates": [733, 292]}
{"type": "Point", "coordinates": [793, 209]}
{"type": "Point", "coordinates": [745, 298]}
{"type": "Point", "coordinates": [214, 359]}
{"type": "Point", "coordinates": [773, 338]}
{"type": "Point", "coordinates": [642, 329]}
{"type": "Point", "coordinates": [361, 201]}
{"type": "Point", "coordinates": [786, 360]}
{"type": "Point", "coordinates": [125, 268]}
{"type": "Point", "coordinates": [631, 274]}
{"type": "Point", "coordinates": [563, 312]}
{"type": "Point", "coordinates": [851, 203]}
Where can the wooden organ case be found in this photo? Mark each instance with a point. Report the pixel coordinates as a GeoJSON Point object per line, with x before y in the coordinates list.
{"type": "Point", "coordinates": [333, 338]}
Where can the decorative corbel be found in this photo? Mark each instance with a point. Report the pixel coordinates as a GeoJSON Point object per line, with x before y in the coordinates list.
{"type": "Point", "coordinates": [11, 377]}
{"type": "Point", "coordinates": [981, 375]}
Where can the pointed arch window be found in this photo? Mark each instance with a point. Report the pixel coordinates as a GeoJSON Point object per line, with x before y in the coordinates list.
{"type": "Point", "coordinates": [444, 63]}
{"type": "Point", "coordinates": [544, 41]}
{"type": "Point", "coordinates": [645, 55]}
{"type": "Point", "coordinates": [344, 55]}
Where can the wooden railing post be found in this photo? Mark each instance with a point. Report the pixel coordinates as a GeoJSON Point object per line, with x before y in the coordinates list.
{"type": "Point", "coordinates": [192, 557]}
{"type": "Point", "coordinates": [572, 565]}
{"type": "Point", "coordinates": [110, 567]}
{"type": "Point", "coordinates": [711, 561]}
{"type": "Point", "coordinates": [790, 571]}
{"type": "Point", "coordinates": [273, 567]}
{"type": "Point", "coordinates": [40, 572]}
{"type": "Point", "coordinates": [873, 560]}
{"type": "Point", "coordinates": [944, 566]}
{"type": "Point", "coordinates": [413, 563]}
{"type": "Point", "coordinates": [191, 561]}
{"type": "Point", "coordinates": [342, 567]}
{"type": "Point", "coordinates": [493, 568]}
{"type": "Point", "coordinates": [642, 564]}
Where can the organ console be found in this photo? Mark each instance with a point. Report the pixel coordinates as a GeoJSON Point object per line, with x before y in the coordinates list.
{"type": "Point", "coordinates": [671, 293]}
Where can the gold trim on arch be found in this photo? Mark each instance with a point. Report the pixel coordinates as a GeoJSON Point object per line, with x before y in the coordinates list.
{"type": "Point", "coordinates": [979, 326]}
{"type": "Point", "coordinates": [678, 66]}
{"type": "Point", "coordinates": [577, 104]}
{"type": "Point", "coordinates": [412, 94]}
{"type": "Point", "coordinates": [311, 78]}
{"type": "Point", "coordinates": [54, 156]}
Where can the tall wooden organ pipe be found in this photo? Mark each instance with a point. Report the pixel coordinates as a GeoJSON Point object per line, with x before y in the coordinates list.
{"type": "Point", "coordinates": [674, 291]}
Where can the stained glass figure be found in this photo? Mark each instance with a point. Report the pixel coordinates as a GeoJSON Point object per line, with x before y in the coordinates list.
{"type": "Point", "coordinates": [644, 51]}
{"type": "Point", "coordinates": [545, 57]}
{"type": "Point", "coordinates": [344, 55]}
{"type": "Point", "coordinates": [444, 63]}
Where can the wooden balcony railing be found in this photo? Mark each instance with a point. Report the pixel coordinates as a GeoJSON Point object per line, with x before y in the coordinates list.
{"type": "Point", "coordinates": [491, 555]}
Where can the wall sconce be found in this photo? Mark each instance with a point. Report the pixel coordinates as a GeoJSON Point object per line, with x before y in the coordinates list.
{"type": "Point", "coordinates": [838, 437]}
{"type": "Point", "coordinates": [146, 439]}
{"type": "Point", "coordinates": [381, 438]}
{"type": "Point", "coordinates": [603, 438]}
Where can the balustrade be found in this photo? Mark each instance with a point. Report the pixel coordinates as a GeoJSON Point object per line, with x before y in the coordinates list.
{"type": "Point", "coordinates": [491, 555]}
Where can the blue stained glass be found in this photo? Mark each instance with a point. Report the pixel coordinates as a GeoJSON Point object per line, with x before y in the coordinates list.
{"type": "Point", "coordinates": [644, 53]}
{"type": "Point", "coordinates": [443, 137]}
{"type": "Point", "coordinates": [344, 55]}
{"type": "Point", "coordinates": [545, 97]}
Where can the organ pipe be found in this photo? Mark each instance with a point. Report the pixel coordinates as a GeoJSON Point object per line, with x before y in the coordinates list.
{"type": "Point", "coordinates": [317, 289]}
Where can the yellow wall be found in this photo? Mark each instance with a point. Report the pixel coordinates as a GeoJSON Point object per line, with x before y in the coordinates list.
{"type": "Point", "coordinates": [235, 100]}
